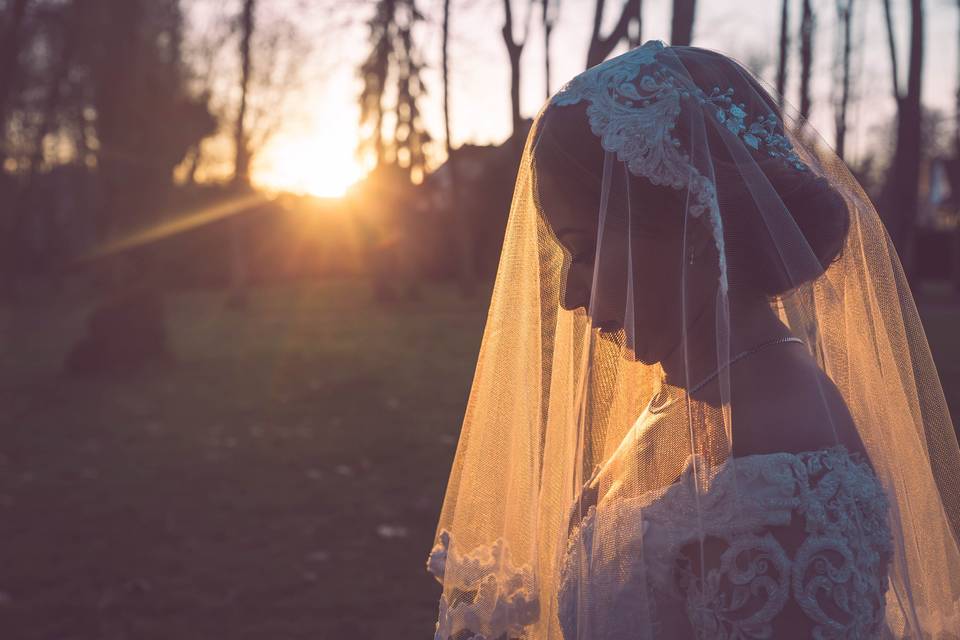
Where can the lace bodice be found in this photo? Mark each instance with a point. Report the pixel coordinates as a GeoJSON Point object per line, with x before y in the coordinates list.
{"type": "Point", "coordinates": [802, 536]}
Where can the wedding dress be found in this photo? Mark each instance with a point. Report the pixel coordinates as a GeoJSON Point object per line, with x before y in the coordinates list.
{"type": "Point", "coordinates": [791, 534]}
{"type": "Point", "coordinates": [704, 405]}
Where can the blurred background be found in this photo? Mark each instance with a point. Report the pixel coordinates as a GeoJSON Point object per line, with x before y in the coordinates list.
{"type": "Point", "coordinates": [246, 248]}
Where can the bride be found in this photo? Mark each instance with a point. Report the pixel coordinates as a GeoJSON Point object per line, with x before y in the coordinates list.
{"type": "Point", "coordinates": [704, 405]}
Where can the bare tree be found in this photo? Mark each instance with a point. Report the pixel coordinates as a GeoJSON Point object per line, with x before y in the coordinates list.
{"type": "Point", "coordinates": [844, 18]}
{"type": "Point", "coordinates": [898, 199]}
{"type": "Point", "coordinates": [458, 212]}
{"type": "Point", "coordinates": [602, 46]}
{"type": "Point", "coordinates": [241, 160]}
{"type": "Point", "coordinates": [681, 26]}
{"type": "Point", "coordinates": [514, 50]}
{"type": "Point", "coordinates": [277, 49]}
{"type": "Point", "coordinates": [393, 60]}
{"type": "Point", "coordinates": [807, 27]}
{"type": "Point", "coordinates": [956, 128]}
{"type": "Point", "coordinates": [270, 52]}
{"type": "Point", "coordinates": [13, 29]}
{"type": "Point", "coordinates": [241, 163]}
{"type": "Point", "coordinates": [550, 11]}
{"type": "Point", "coordinates": [635, 32]}
{"type": "Point", "coordinates": [784, 51]}
{"type": "Point", "coordinates": [63, 43]}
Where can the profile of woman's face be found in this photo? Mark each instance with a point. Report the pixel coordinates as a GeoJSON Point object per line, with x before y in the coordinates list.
{"type": "Point", "coordinates": [641, 255]}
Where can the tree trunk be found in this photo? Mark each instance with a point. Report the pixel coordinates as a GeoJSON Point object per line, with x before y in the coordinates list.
{"type": "Point", "coordinates": [459, 217]}
{"type": "Point", "coordinates": [11, 220]}
{"type": "Point", "coordinates": [807, 25]}
{"type": "Point", "coordinates": [956, 103]}
{"type": "Point", "coordinates": [51, 105]}
{"type": "Point", "coordinates": [548, 22]}
{"type": "Point", "coordinates": [901, 188]}
{"type": "Point", "coordinates": [237, 297]}
{"type": "Point", "coordinates": [954, 168]}
{"type": "Point", "coordinates": [602, 46]}
{"type": "Point", "coordinates": [514, 50]}
{"type": "Point", "coordinates": [784, 51]}
{"type": "Point", "coordinates": [845, 15]}
{"type": "Point", "coordinates": [681, 26]}
{"type": "Point", "coordinates": [10, 58]}
{"type": "Point", "coordinates": [635, 35]}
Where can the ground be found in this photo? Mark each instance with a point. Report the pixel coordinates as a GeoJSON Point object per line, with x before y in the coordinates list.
{"type": "Point", "coordinates": [280, 479]}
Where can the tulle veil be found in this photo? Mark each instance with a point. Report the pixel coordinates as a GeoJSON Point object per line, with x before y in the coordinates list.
{"type": "Point", "coordinates": [561, 383]}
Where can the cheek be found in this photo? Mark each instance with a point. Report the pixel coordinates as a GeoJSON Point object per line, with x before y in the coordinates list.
{"type": "Point", "coordinates": [656, 289]}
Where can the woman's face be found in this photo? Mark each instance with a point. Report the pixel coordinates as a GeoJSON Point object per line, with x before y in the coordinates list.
{"type": "Point", "coordinates": [644, 252]}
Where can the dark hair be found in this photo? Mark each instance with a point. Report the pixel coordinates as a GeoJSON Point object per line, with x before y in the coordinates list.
{"type": "Point", "coordinates": [756, 258]}
{"type": "Point", "coordinates": [776, 261]}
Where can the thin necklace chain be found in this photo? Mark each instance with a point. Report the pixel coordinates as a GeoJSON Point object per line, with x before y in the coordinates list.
{"type": "Point", "coordinates": [739, 356]}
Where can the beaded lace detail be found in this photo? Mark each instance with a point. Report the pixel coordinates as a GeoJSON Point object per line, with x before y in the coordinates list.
{"type": "Point", "coordinates": [837, 574]}
{"type": "Point", "coordinates": [634, 102]}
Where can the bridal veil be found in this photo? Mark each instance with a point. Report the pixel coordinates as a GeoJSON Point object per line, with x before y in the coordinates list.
{"type": "Point", "coordinates": [607, 370]}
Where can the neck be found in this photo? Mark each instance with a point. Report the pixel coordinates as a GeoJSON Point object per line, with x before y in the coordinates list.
{"type": "Point", "coordinates": [751, 322]}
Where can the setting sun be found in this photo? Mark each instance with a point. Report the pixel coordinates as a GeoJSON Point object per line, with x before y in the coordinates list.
{"type": "Point", "coordinates": [318, 162]}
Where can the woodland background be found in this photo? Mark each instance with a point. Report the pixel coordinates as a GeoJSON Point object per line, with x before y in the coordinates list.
{"type": "Point", "coordinates": [213, 415]}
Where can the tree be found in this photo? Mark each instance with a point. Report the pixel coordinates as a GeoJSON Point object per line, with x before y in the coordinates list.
{"type": "Point", "coordinates": [514, 50]}
{"type": "Point", "coordinates": [393, 66]}
{"type": "Point", "coordinates": [681, 26]}
{"type": "Point", "coordinates": [898, 199]}
{"type": "Point", "coordinates": [635, 32]}
{"type": "Point", "coordinates": [845, 18]}
{"type": "Point", "coordinates": [137, 82]}
{"type": "Point", "coordinates": [10, 53]}
{"type": "Point", "coordinates": [130, 66]}
{"type": "Point", "coordinates": [458, 212]}
{"type": "Point", "coordinates": [602, 46]}
{"type": "Point", "coordinates": [241, 165]}
{"type": "Point", "coordinates": [549, 10]}
{"type": "Point", "coordinates": [263, 48]}
{"type": "Point", "coordinates": [807, 27]}
{"type": "Point", "coordinates": [391, 70]}
{"type": "Point", "coordinates": [956, 103]}
{"type": "Point", "coordinates": [784, 51]}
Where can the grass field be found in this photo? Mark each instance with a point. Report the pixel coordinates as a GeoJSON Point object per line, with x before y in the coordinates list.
{"type": "Point", "coordinates": [281, 479]}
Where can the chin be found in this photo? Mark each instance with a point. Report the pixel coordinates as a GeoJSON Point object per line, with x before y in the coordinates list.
{"type": "Point", "coordinates": [639, 352]}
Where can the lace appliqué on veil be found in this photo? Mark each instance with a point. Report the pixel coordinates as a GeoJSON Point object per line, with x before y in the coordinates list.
{"type": "Point", "coordinates": [635, 120]}
{"type": "Point", "coordinates": [485, 596]}
{"type": "Point", "coordinates": [836, 575]}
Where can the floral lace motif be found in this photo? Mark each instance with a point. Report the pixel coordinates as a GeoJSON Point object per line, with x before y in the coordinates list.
{"type": "Point", "coordinates": [837, 574]}
{"type": "Point", "coordinates": [635, 120]}
{"type": "Point", "coordinates": [485, 596]}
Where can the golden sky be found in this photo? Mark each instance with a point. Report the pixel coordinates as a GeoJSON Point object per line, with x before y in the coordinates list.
{"type": "Point", "coordinates": [313, 151]}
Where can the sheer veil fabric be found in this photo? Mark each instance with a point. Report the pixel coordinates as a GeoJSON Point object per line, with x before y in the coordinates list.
{"type": "Point", "coordinates": [704, 404]}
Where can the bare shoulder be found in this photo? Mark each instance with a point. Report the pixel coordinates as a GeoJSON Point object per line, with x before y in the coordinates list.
{"type": "Point", "coordinates": [782, 401]}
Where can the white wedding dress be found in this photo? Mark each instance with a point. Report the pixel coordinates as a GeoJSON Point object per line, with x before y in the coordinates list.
{"type": "Point", "coordinates": [799, 536]}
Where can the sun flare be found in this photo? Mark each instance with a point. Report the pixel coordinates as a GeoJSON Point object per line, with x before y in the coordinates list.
{"type": "Point", "coordinates": [315, 163]}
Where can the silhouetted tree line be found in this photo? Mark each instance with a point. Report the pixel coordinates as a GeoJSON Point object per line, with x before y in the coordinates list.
{"type": "Point", "coordinates": [103, 103]}
{"type": "Point", "coordinates": [96, 113]}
